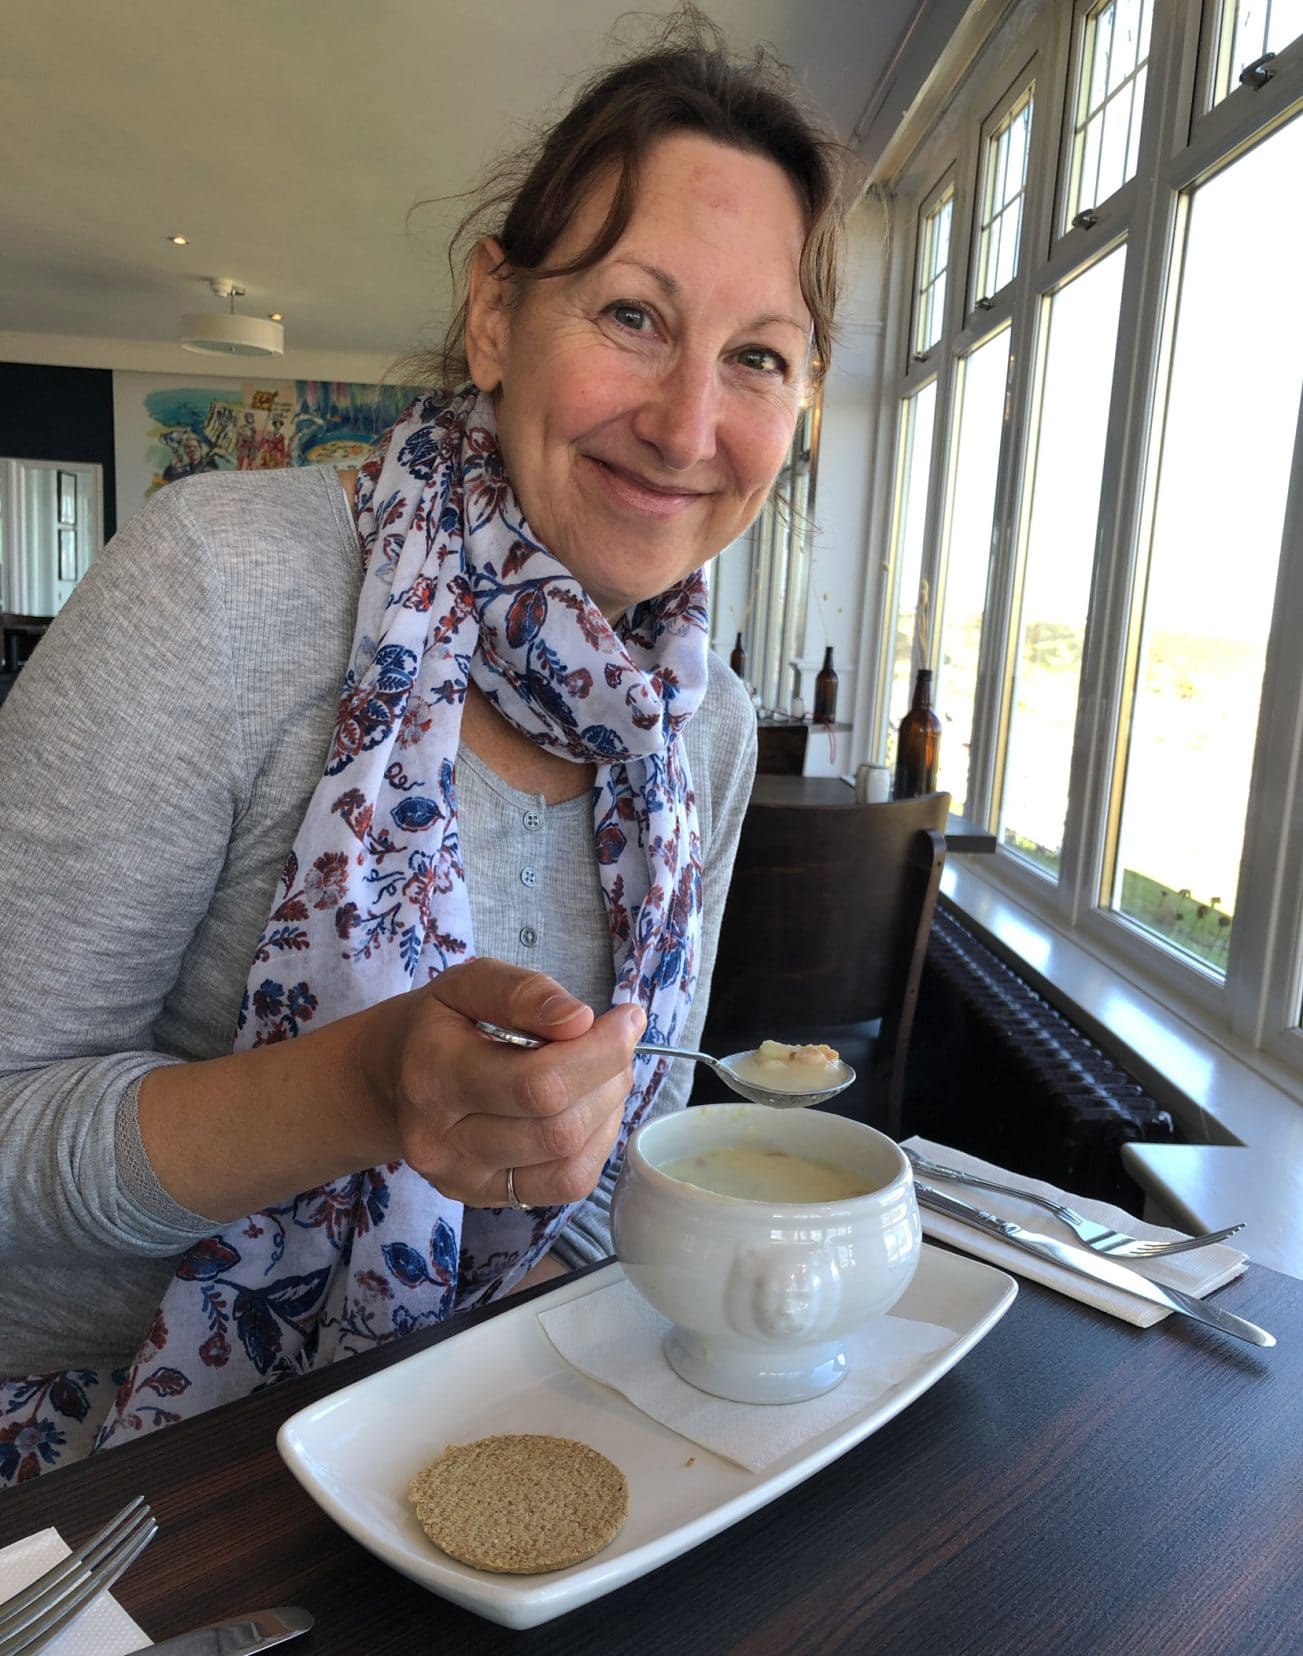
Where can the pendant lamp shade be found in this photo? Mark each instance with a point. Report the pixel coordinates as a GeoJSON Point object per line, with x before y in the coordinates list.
{"type": "Point", "coordinates": [217, 333]}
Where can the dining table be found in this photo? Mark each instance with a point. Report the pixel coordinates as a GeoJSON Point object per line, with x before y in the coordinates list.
{"type": "Point", "coordinates": [1074, 1485]}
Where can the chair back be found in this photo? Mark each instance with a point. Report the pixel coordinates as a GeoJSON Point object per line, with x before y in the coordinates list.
{"type": "Point", "coordinates": [826, 926]}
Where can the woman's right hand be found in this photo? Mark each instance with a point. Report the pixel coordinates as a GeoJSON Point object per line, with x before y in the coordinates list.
{"type": "Point", "coordinates": [466, 1109]}
{"type": "Point", "coordinates": [410, 1078]}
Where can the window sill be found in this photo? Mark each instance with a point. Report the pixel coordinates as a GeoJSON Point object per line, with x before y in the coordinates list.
{"type": "Point", "coordinates": [1243, 1119]}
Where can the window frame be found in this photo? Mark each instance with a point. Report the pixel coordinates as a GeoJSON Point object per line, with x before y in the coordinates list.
{"type": "Point", "coordinates": [1023, 85]}
{"type": "Point", "coordinates": [919, 366]}
{"type": "Point", "coordinates": [1182, 142]}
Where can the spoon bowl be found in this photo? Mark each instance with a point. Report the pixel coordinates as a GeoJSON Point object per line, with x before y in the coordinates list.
{"type": "Point", "coordinates": [777, 1098]}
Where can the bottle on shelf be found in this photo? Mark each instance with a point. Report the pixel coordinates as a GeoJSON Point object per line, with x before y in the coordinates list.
{"type": "Point", "coordinates": [825, 691]}
{"type": "Point", "coordinates": [738, 658]}
{"type": "Point", "coordinates": [918, 743]}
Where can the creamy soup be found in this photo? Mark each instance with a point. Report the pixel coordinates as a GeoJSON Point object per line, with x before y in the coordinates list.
{"type": "Point", "coordinates": [757, 1174]}
{"type": "Point", "coordinates": [794, 1069]}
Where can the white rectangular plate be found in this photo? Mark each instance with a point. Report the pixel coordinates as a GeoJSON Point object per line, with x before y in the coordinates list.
{"type": "Point", "coordinates": [356, 1451]}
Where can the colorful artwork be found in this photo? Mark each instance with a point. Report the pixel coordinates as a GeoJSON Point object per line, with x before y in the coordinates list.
{"type": "Point", "coordinates": [248, 425]}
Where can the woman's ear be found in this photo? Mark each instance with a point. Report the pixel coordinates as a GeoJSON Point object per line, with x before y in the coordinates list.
{"type": "Point", "coordinates": [488, 314]}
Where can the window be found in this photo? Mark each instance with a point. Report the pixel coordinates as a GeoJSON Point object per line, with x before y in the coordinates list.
{"type": "Point", "coordinates": [980, 400]}
{"type": "Point", "coordinates": [933, 262]}
{"type": "Point", "coordinates": [1213, 558]}
{"type": "Point", "coordinates": [1112, 63]}
{"type": "Point", "coordinates": [1096, 532]}
{"type": "Point", "coordinates": [773, 625]}
{"type": "Point", "coordinates": [1004, 189]}
{"type": "Point", "coordinates": [1080, 324]}
{"type": "Point", "coordinates": [913, 476]}
{"type": "Point", "coordinates": [1250, 31]}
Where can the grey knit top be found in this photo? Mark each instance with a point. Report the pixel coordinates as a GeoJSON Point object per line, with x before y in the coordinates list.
{"type": "Point", "coordinates": [156, 758]}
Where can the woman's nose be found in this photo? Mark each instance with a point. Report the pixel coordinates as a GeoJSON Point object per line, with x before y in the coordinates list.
{"type": "Point", "coordinates": [679, 416]}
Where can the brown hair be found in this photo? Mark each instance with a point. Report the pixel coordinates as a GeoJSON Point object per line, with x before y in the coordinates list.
{"type": "Point", "coordinates": [688, 82]}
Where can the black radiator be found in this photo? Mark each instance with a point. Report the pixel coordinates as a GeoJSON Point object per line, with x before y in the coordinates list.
{"type": "Point", "coordinates": [995, 1070]}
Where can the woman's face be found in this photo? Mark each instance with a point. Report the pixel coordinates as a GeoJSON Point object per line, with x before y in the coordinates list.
{"type": "Point", "coordinates": [646, 404]}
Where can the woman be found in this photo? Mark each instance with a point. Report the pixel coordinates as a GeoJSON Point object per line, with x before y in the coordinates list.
{"type": "Point", "coordinates": [522, 806]}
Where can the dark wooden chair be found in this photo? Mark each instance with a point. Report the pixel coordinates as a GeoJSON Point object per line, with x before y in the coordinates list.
{"type": "Point", "coordinates": [823, 938]}
{"type": "Point", "coordinates": [780, 748]}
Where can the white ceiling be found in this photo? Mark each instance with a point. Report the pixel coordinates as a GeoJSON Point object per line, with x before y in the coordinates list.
{"type": "Point", "coordinates": [289, 139]}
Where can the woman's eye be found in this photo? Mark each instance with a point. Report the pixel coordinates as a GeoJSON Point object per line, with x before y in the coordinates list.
{"type": "Point", "coordinates": [763, 360]}
{"type": "Point", "coordinates": [629, 315]}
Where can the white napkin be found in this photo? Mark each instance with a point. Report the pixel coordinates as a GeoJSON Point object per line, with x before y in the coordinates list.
{"type": "Point", "coordinates": [1197, 1272]}
{"type": "Point", "coordinates": [614, 1336]}
{"type": "Point", "coordinates": [102, 1629]}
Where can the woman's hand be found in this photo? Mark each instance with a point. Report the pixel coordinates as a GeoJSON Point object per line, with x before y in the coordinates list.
{"type": "Point", "coordinates": [466, 1109]}
{"type": "Point", "coordinates": [410, 1078]}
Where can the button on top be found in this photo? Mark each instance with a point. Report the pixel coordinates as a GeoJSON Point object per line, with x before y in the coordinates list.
{"type": "Point", "coordinates": [529, 876]}
{"type": "Point", "coordinates": [528, 936]}
{"type": "Point", "coordinates": [533, 818]}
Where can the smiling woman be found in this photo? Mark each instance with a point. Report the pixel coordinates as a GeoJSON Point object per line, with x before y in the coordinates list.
{"type": "Point", "coordinates": [444, 743]}
{"type": "Point", "coordinates": [645, 403]}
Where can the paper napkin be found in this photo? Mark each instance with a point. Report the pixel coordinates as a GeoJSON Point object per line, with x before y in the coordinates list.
{"type": "Point", "coordinates": [103, 1629]}
{"type": "Point", "coordinates": [1198, 1272]}
{"type": "Point", "coordinates": [614, 1336]}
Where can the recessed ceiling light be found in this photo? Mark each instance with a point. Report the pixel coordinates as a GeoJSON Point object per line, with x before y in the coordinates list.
{"type": "Point", "coordinates": [179, 241]}
{"type": "Point", "coordinates": [276, 316]}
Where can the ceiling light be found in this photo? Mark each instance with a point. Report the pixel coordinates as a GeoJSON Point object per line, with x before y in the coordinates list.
{"type": "Point", "coordinates": [212, 333]}
{"type": "Point", "coordinates": [179, 241]}
{"type": "Point", "coordinates": [277, 316]}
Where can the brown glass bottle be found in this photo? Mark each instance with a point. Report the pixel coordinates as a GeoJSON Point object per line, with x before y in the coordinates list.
{"type": "Point", "coordinates": [825, 691]}
{"type": "Point", "coordinates": [738, 658]}
{"type": "Point", "coordinates": [918, 745]}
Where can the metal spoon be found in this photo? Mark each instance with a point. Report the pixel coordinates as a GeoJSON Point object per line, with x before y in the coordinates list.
{"type": "Point", "coordinates": [776, 1098]}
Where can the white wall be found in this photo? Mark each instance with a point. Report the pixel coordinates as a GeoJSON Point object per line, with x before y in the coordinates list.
{"type": "Point", "coordinates": [844, 597]}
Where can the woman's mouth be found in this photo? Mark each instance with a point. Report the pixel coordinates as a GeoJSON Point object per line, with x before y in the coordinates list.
{"type": "Point", "coordinates": [634, 493]}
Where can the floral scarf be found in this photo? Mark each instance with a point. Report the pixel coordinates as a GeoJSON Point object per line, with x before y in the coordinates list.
{"type": "Point", "coordinates": [373, 900]}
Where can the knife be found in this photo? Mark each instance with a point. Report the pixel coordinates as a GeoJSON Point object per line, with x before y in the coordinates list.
{"type": "Point", "coordinates": [1088, 1264]}
{"type": "Point", "coordinates": [259, 1630]}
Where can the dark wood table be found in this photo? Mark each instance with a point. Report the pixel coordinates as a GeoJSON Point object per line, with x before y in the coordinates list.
{"type": "Point", "coordinates": [1074, 1486]}
{"type": "Point", "coordinates": [962, 833]}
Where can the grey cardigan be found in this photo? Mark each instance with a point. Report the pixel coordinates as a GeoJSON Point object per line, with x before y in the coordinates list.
{"type": "Point", "coordinates": [156, 758]}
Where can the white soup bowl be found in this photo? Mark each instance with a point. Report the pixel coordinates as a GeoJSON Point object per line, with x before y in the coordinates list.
{"type": "Point", "coordinates": [762, 1294]}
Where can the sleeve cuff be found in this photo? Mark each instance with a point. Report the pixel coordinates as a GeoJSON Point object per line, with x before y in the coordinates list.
{"type": "Point", "coordinates": [586, 1240]}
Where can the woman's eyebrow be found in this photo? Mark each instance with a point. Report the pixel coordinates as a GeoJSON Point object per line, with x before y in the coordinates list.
{"type": "Point", "coordinates": [672, 288]}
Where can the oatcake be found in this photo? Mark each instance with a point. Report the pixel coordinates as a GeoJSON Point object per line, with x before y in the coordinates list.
{"type": "Point", "coordinates": [522, 1503]}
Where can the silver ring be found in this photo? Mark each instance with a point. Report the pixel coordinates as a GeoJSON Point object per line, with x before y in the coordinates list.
{"type": "Point", "coordinates": [512, 1199]}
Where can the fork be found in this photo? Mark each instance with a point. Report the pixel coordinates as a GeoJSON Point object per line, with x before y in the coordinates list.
{"type": "Point", "coordinates": [1099, 1237]}
{"type": "Point", "coordinates": [32, 1617]}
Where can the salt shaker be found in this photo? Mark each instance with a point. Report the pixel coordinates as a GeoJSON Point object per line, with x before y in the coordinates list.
{"type": "Point", "coordinates": [872, 785]}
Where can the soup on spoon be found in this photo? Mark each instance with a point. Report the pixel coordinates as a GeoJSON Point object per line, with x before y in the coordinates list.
{"type": "Point", "coordinates": [790, 1069]}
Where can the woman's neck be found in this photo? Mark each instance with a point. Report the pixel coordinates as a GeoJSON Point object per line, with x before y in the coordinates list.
{"type": "Point", "coordinates": [510, 754]}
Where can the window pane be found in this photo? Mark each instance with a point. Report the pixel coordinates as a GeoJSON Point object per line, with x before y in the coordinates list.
{"type": "Point", "coordinates": [1249, 30]}
{"type": "Point", "coordinates": [933, 259]}
{"type": "Point", "coordinates": [1004, 187]}
{"type": "Point", "coordinates": [911, 491]}
{"type": "Point", "coordinates": [972, 510]}
{"type": "Point", "coordinates": [1213, 560]}
{"type": "Point", "coordinates": [1065, 482]}
{"type": "Point", "coordinates": [1112, 52]}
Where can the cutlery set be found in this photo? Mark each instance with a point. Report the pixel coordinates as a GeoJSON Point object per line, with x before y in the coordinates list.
{"type": "Point", "coordinates": [39, 1613]}
{"type": "Point", "coordinates": [1098, 1259]}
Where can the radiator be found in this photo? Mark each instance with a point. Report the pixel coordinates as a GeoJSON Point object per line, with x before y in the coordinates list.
{"type": "Point", "coordinates": [995, 1070]}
